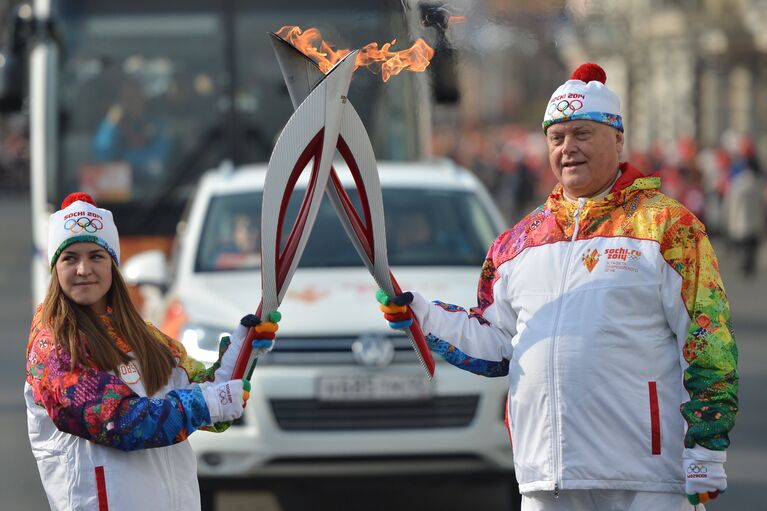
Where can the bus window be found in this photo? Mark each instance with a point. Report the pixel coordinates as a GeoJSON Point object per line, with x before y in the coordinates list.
{"type": "Point", "coordinates": [152, 94]}
{"type": "Point", "coordinates": [141, 107]}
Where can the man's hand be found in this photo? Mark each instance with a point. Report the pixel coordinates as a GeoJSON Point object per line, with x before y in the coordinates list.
{"type": "Point", "coordinates": [395, 309]}
{"type": "Point", "coordinates": [704, 480]}
{"type": "Point", "coordinates": [226, 401]}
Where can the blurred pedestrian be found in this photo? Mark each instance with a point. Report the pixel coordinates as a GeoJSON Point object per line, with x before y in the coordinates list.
{"type": "Point", "coordinates": [110, 399]}
{"type": "Point", "coordinates": [130, 133]}
{"type": "Point", "coordinates": [605, 308]}
{"type": "Point", "coordinates": [14, 153]}
{"type": "Point", "coordinates": [745, 214]}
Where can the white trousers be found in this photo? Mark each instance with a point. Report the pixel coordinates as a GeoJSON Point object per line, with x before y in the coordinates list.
{"type": "Point", "coordinates": [607, 500]}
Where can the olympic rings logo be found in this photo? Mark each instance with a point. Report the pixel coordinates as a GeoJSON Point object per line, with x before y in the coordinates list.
{"type": "Point", "coordinates": [224, 395]}
{"type": "Point", "coordinates": [83, 224]}
{"type": "Point", "coordinates": [565, 107]}
{"type": "Point", "coordinates": [696, 469]}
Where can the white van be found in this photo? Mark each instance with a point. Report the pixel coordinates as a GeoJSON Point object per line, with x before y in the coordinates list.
{"type": "Point", "coordinates": [342, 393]}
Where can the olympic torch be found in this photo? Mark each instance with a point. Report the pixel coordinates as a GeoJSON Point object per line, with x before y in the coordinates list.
{"type": "Point", "coordinates": [320, 98]}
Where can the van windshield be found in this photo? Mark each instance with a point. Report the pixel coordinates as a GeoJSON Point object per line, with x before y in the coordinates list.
{"type": "Point", "coordinates": [423, 228]}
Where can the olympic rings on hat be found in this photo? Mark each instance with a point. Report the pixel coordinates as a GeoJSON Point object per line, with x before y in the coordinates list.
{"type": "Point", "coordinates": [565, 107]}
{"type": "Point", "coordinates": [89, 225]}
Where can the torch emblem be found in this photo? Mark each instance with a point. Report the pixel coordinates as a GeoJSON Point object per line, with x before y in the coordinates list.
{"type": "Point", "coordinates": [590, 259]}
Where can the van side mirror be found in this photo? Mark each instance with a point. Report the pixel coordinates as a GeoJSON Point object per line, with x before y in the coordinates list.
{"type": "Point", "coordinates": [146, 274]}
{"type": "Point", "coordinates": [146, 268]}
{"type": "Point", "coordinates": [12, 59]}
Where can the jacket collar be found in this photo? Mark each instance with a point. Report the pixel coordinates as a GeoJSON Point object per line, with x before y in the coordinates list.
{"type": "Point", "coordinates": [629, 174]}
{"type": "Point", "coordinates": [106, 320]}
{"type": "Point", "coordinates": [593, 211]}
{"type": "Point", "coordinates": [630, 181]}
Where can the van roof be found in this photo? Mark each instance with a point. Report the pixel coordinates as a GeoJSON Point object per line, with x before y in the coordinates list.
{"type": "Point", "coordinates": [432, 174]}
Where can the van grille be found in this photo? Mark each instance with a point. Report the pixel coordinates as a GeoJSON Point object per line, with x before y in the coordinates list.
{"type": "Point", "coordinates": [315, 415]}
{"type": "Point", "coordinates": [333, 350]}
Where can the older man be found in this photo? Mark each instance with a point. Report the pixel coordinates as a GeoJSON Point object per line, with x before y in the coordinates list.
{"type": "Point", "coordinates": [606, 310]}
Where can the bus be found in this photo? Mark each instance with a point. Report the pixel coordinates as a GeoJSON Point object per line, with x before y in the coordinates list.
{"type": "Point", "coordinates": [133, 101]}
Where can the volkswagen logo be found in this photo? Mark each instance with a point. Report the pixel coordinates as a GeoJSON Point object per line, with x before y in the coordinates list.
{"type": "Point", "coordinates": [373, 350]}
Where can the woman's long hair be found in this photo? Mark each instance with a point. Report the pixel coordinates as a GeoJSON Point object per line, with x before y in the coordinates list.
{"type": "Point", "coordinates": [78, 330]}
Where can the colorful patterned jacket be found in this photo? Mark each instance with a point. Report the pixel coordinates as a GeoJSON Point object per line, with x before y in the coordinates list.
{"type": "Point", "coordinates": [609, 317]}
{"type": "Point", "coordinates": [100, 442]}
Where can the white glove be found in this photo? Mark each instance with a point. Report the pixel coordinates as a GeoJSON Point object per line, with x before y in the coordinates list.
{"type": "Point", "coordinates": [704, 474]}
{"type": "Point", "coordinates": [226, 401]}
{"type": "Point", "coordinates": [260, 346]}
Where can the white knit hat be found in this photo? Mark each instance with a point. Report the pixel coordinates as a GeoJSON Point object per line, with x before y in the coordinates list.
{"type": "Point", "coordinates": [79, 220]}
{"type": "Point", "coordinates": [584, 96]}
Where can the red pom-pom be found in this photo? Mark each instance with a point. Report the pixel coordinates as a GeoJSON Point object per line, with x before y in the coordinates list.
{"type": "Point", "coordinates": [77, 196]}
{"type": "Point", "coordinates": [589, 72]}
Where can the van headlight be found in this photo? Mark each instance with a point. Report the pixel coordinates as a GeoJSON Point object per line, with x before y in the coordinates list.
{"type": "Point", "coordinates": [201, 341]}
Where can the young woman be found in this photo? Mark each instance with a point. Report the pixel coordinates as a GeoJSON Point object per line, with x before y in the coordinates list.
{"type": "Point", "coordinates": [110, 399]}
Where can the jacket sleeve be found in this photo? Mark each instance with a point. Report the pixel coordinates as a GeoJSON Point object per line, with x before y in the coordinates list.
{"type": "Point", "coordinates": [100, 407]}
{"type": "Point", "coordinates": [478, 340]}
{"type": "Point", "coordinates": [698, 311]}
{"type": "Point", "coordinates": [195, 371]}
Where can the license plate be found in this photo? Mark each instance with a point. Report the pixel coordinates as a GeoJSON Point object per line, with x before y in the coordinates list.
{"type": "Point", "coordinates": [365, 387]}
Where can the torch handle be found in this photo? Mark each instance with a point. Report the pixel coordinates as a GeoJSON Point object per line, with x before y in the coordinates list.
{"type": "Point", "coordinates": [246, 350]}
{"type": "Point", "coordinates": [416, 334]}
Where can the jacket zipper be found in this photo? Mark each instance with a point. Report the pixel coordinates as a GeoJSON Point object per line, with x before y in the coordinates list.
{"type": "Point", "coordinates": [553, 393]}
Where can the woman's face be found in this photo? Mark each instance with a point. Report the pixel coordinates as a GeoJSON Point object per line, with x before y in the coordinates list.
{"type": "Point", "coordinates": [85, 275]}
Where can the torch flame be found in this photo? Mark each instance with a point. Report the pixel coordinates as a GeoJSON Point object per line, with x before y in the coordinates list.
{"type": "Point", "coordinates": [310, 43]}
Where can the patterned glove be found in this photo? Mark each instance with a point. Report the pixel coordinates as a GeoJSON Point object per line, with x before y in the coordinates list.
{"type": "Point", "coordinates": [396, 310]}
{"type": "Point", "coordinates": [231, 346]}
{"type": "Point", "coordinates": [263, 342]}
{"type": "Point", "coordinates": [704, 474]}
{"type": "Point", "coordinates": [226, 401]}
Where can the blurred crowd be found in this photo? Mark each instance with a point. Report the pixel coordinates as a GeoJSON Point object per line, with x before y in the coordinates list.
{"type": "Point", "coordinates": [724, 186]}
{"type": "Point", "coordinates": [14, 153]}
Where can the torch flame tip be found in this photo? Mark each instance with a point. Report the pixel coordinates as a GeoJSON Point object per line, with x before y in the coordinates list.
{"type": "Point", "coordinates": [310, 43]}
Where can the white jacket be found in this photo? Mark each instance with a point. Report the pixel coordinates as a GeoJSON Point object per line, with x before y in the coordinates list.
{"type": "Point", "coordinates": [594, 310]}
{"type": "Point", "coordinates": [99, 441]}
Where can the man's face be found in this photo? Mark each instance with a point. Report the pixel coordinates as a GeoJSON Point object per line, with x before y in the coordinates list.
{"type": "Point", "coordinates": [85, 275]}
{"type": "Point", "coordinates": [584, 155]}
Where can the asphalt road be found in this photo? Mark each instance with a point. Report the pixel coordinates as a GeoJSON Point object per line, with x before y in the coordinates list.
{"type": "Point", "coordinates": [20, 487]}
